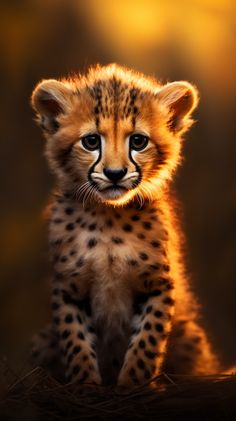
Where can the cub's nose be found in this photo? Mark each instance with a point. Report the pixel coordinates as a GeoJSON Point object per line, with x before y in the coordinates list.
{"type": "Point", "coordinates": [115, 175]}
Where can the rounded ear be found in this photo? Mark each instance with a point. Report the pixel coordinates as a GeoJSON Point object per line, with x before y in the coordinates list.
{"type": "Point", "coordinates": [180, 98]}
{"type": "Point", "coordinates": [49, 99]}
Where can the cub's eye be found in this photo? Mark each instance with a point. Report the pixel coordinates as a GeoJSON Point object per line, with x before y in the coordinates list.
{"type": "Point", "coordinates": [91, 142]}
{"type": "Point", "coordinates": [138, 141]}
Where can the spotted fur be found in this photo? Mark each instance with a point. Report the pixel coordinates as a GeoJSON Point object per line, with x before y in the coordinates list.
{"type": "Point", "coordinates": [122, 308]}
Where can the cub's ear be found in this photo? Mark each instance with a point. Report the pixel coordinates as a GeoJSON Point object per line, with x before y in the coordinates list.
{"type": "Point", "coordinates": [49, 99]}
{"type": "Point", "coordinates": [180, 99]}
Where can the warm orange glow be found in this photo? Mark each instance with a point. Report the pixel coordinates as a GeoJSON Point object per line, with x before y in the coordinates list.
{"type": "Point", "coordinates": [141, 32]}
{"type": "Point", "coordinates": [131, 24]}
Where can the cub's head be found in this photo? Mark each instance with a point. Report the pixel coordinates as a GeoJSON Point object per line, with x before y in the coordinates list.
{"type": "Point", "coordinates": [113, 134]}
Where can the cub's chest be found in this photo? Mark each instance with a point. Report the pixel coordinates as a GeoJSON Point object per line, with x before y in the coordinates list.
{"type": "Point", "coordinates": [104, 242]}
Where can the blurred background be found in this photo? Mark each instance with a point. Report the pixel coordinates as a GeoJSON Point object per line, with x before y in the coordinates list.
{"type": "Point", "coordinates": [192, 40]}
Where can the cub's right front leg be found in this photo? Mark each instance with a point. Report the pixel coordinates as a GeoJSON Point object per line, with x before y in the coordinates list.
{"type": "Point", "coordinates": [77, 341]}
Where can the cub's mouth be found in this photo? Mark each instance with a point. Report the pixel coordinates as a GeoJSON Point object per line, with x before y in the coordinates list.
{"type": "Point", "coordinates": [113, 192]}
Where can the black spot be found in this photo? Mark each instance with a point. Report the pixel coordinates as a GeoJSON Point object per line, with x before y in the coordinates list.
{"type": "Point", "coordinates": [70, 239]}
{"type": "Point", "coordinates": [155, 243]}
{"type": "Point", "coordinates": [117, 240]}
{"type": "Point", "coordinates": [58, 275]}
{"type": "Point", "coordinates": [80, 335]}
{"type": "Point", "coordinates": [158, 313]}
{"type": "Point", "coordinates": [80, 262]}
{"type": "Point", "coordinates": [93, 355]}
{"type": "Point", "coordinates": [144, 274]}
{"type": "Point", "coordinates": [149, 354]}
{"type": "Point", "coordinates": [92, 227]}
{"type": "Point", "coordinates": [69, 318]}
{"type": "Point", "coordinates": [166, 268]}
{"type": "Point", "coordinates": [57, 242]}
{"type": "Point", "coordinates": [68, 299]}
{"type": "Point", "coordinates": [140, 364]}
{"type": "Point", "coordinates": [117, 215]}
{"type": "Point", "coordinates": [55, 306]}
{"type": "Point", "coordinates": [148, 309]}
{"type": "Point", "coordinates": [72, 252]}
{"type": "Point", "coordinates": [92, 243]}
{"type": "Point", "coordinates": [169, 286]}
{"type": "Point", "coordinates": [57, 221]}
{"type": "Point", "coordinates": [169, 301]}
{"type": "Point", "coordinates": [78, 220]}
{"type": "Point", "coordinates": [132, 262]}
{"type": "Point", "coordinates": [163, 281]}
{"type": "Point", "coordinates": [109, 222]}
{"type": "Point", "coordinates": [65, 334]}
{"type": "Point", "coordinates": [85, 305]}
{"type": "Point", "coordinates": [159, 327]}
{"type": "Point", "coordinates": [152, 340]}
{"type": "Point", "coordinates": [142, 344]}
{"type": "Point", "coordinates": [143, 256]}
{"type": "Point", "coordinates": [83, 225]}
{"type": "Point", "coordinates": [127, 227]}
{"type": "Point", "coordinates": [135, 218]}
{"type": "Point", "coordinates": [156, 293]}
{"type": "Point", "coordinates": [75, 274]}
{"type": "Point", "coordinates": [73, 287]}
{"type": "Point", "coordinates": [147, 326]}
{"type": "Point", "coordinates": [147, 225]}
{"type": "Point", "coordinates": [69, 211]}
{"type": "Point", "coordinates": [91, 329]}
{"type": "Point", "coordinates": [55, 291]}
{"type": "Point", "coordinates": [63, 259]}
{"type": "Point", "coordinates": [85, 357]}
{"type": "Point", "coordinates": [141, 236]}
{"type": "Point", "coordinates": [139, 300]}
{"type": "Point", "coordinates": [148, 284]}
{"type": "Point", "coordinates": [155, 266]}
{"type": "Point", "coordinates": [70, 226]}
{"type": "Point", "coordinates": [76, 369]}
{"type": "Point", "coordinates": [79, 318]}
{"type": "Point", "coordinates": [68, 345]}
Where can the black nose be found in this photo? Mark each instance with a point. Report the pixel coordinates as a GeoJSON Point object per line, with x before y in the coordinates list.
{"type": "Point", "coordinates": [115, 175]}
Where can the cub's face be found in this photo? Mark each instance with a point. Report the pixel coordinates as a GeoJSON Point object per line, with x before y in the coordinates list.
{"type": "Point", "coordinates": [114, 134]}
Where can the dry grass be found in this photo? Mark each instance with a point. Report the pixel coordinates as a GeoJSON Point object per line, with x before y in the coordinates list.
{"type": "Point", "coordinates": [37, 396]}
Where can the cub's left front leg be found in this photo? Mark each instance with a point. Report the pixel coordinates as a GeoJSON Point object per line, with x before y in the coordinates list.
{"type": "Point", "coordinates": [151, 322]}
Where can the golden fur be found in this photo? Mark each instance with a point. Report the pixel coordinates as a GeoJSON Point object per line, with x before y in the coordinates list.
{"type": "Point", "coordinates": [116, 249]}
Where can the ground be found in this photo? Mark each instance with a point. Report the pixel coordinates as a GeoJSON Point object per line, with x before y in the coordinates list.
{"type": "Point", "coordinates": [36, 396]}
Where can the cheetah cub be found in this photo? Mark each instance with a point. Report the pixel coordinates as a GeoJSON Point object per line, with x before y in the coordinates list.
{"type": "Point", "coordinates": [121, 305]}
